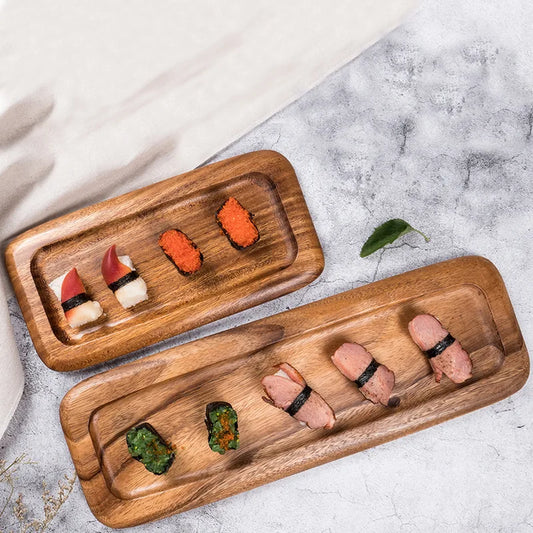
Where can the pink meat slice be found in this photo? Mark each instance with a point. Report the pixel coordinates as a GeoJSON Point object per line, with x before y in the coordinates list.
{"type": "Point", "coordinates": [352, 360]}
{"type": "Point", "coordinates": [282, 390]}
{"type": "Point", "coordinates": [455, 362]}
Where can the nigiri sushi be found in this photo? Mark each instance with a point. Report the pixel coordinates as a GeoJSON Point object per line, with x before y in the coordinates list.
{"type": "Point", "coordinates": [148, 447]}
{"type": "Point", "coordinates": [375, 381]}
{"type": "Point", "coordinates": [288, 390]}
{"type": "Point", "coordinates": [237, 224]}
{"type": "Point", "coordinates": [78, 307]}
{"type": "Point", "coordinates": [445, 354]}
{"type": "Point", "coordinates": [122, 278]}
{"type": "Point", "coordinates": [181, 251]}
{"type": "Point", "coordinates": [222, 427]}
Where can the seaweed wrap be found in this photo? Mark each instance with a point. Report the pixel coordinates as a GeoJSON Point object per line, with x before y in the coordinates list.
{"type": "Point", "coordinates": [148, 447]}
{"type": "Point", "coordinates": [237, 224]}
{"type": "Point", "coordinates": [222, 427]}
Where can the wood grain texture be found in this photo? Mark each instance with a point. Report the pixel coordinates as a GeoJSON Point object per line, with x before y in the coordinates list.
{"type": "Point", "coordinates": [170, 390]}
{"type": "Point", "coordinates": [286, 257]}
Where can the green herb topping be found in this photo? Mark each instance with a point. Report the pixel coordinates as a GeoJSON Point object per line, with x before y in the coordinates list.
{"type": "Point", "coordinates": [222, 425]}
{"type": "Point", "coordinates": [145, 445]}
{"type": "Point", "coordinates": [386, 234]}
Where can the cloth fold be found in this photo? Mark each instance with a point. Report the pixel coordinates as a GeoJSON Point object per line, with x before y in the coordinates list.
{"type": "Point", "coordinates": [94, 103]}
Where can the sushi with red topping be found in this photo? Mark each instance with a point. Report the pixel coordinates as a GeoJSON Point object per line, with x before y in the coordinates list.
{"type": "Point", "coordinates": [237, 224]}
{"type": "Point", "coordinates": [374, 380]}
{"type": "Point", "coordinates": [122, 278]}
{"type": "Point", "coordinates": [181, 251]}
{"type": "Point", "coordinates": [79, 309]}
{"type": "Point", "coordinates": [288, 390]}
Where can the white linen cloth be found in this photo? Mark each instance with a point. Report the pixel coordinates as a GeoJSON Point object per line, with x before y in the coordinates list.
{"type": "Point", "coordinates": [101, 98]}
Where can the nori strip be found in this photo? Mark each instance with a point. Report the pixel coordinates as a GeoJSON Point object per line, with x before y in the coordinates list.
{"type": "Point", "coordinates": [298, 402]}
{"type": "Point", "coordinates": [217, 432]}
{"type": "Point", "coordinates": [157, 443]}
{"type": "Point", "coordinates": [369, 371]}
{"type": "Point", "coordinates": [440, 346]}
{"type": "Point", "coordinates": [73, 302]}
{"type": "Point", "coordinates": [234, 244]}
{"type": "Point", "coordinates": [183, 272]}
{"type": "Point", "coordinates": [124, 280]}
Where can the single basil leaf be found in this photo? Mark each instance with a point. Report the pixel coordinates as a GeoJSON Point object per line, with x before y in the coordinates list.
{"type": "Point", "coordinates": [387, 233]}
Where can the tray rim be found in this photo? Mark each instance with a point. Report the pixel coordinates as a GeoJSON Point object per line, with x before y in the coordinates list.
{"type": "Point", "coordinates": [19, 254]}
{"type": "Point", "coordinates": [515, 372]}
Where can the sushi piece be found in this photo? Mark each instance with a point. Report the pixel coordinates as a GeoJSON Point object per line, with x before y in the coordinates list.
{"type": "Point", "coordinates": [445, 354]}
{"type": "Point", "coordinates": [375, 381]}
{"type": "Point", "coordinates": [237, 224]}
{"type": "Point", "coordinates": [148, 447]}
{"type": "Point", "coordinates": [78, 307]}
{"type": "Point", "coordinates": [288, 390]}
{"type": "Point", "coordinates": [122, 278]}
{"type": "Point", "coordinates": [181, 251]}
{"type": "Point", "coordinates": [222, 427]}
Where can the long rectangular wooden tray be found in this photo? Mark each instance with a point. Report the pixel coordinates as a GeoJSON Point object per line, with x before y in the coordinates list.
{"type": "Point", "coordinates": [170, 390]}
{"type": "Point", "coordinates": [286, 257]}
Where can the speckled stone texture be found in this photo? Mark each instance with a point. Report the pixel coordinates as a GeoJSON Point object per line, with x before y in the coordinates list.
{"type": "Point", "coordinates": [432, 124]}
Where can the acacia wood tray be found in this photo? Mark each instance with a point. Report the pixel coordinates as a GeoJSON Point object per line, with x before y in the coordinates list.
{"type": "Point", "coordinates": [286, 257]}
{"type": "Point", "coordinates": [170, 390]}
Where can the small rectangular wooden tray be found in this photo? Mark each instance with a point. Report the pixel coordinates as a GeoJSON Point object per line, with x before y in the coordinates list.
{"type": "Point", "coordinates": [170, 390]}
{"type": "Point", "coordinates": [286, 257]}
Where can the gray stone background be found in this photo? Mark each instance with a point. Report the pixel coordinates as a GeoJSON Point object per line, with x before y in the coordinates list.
{"type": "Point", "coordinates": [432, 124]}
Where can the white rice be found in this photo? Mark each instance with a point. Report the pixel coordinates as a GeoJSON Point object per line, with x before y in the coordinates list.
{"type": "Point", "coordinates": [282, 374]}
{"type": "Point", "coordinates": [84, 313]}
{"type": "Point", "coordinates": [126, 260]}
{"type": "Point", "coordinates": [55, 285]}
{"type": "Point", "coordinates": [132, 293]}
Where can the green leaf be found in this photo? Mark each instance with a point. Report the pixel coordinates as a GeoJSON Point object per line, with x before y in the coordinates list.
{"type": "Point", "coordinates": [387, 233]}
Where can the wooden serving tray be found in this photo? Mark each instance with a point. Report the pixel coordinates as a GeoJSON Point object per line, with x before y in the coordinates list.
{"type": "Point", "coordinates": [286, 257]}
{"type": "Point", "coordinates": [170, 390]}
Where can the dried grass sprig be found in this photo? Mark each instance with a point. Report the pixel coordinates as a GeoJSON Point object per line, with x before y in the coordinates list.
{"type": "Point", "coordinates": [52, 503]}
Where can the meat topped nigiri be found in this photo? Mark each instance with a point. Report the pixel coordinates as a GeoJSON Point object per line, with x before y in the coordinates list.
{"type": "Point", "coordinates": [288, 390]}
{"type": "Point", "coordinates": [122, 278]}
{"type": "Point", "coordinates": [445, 354]}
{"type": "Point", "coordinates": [375, 381]}
{"type": "Point", "coordinates": [78, 307]}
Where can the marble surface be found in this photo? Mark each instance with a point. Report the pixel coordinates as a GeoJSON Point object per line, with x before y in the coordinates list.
{"type": "Point", "coordinates": [432, 124]}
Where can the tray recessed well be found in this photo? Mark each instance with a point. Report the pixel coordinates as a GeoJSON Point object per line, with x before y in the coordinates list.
{"type": "Point", "coordinates": [171, 389]}
{"type": "Point", "coordinates": [286, 257]}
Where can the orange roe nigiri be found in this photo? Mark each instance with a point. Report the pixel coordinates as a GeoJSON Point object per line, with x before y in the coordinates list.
{"type": "Point", "coordinates": [237, 224]}
{"type": "Point", "coordinates": [181, 251]}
